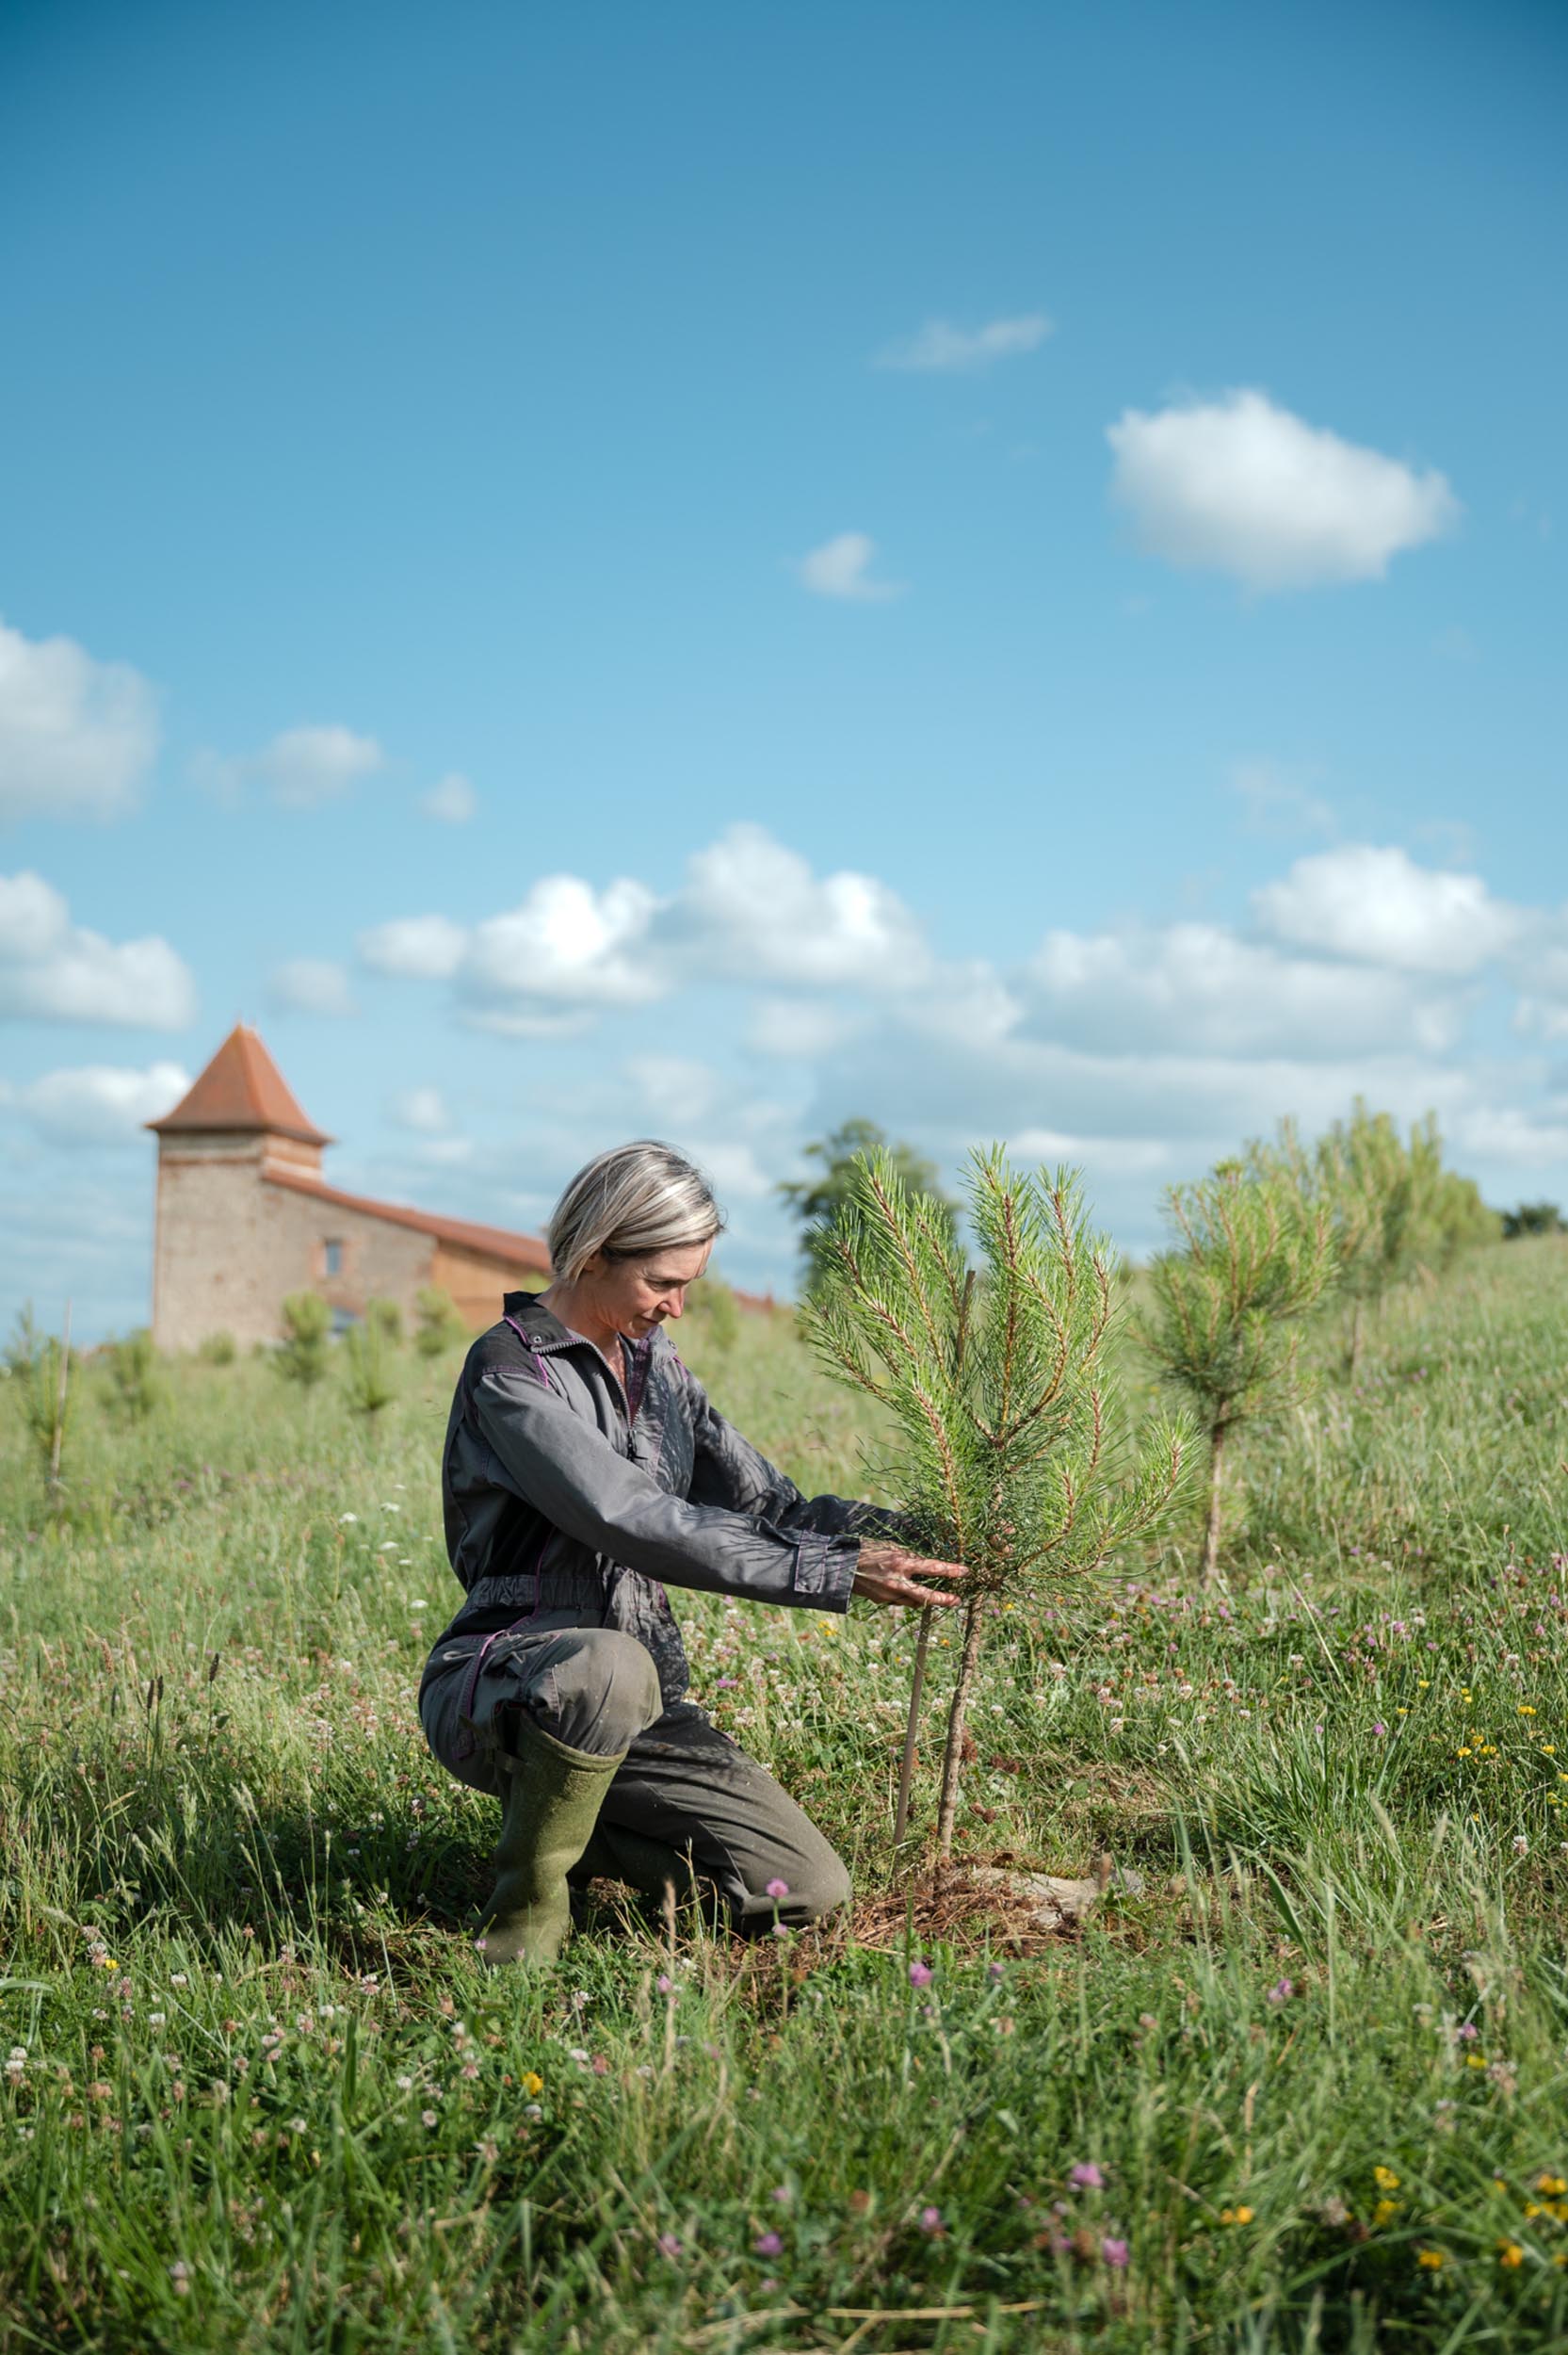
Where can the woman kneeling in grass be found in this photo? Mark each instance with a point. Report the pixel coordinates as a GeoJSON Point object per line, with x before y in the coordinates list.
{"type": "Point", "coordinates": [584, 1471]}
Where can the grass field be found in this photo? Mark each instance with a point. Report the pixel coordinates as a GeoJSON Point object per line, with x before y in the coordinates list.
{"type": "Point", "coordinates": [1310, 2089]}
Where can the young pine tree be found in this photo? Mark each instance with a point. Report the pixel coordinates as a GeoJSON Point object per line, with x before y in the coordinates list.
{"type": "Point", "coordinates": [1254, 1256]}
{"type": "Point", "coordinates": [301, 1355]}
{"type": "Point", "coordinates": [997, 1382]}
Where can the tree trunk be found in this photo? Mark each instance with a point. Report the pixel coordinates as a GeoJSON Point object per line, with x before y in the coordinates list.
{"type": "Point", "coordinates": [952, 1761]}
{"type": "Point", "coordinates": [912, 1728]}
{"type": "Point", "coordinates": [1215, 1472]}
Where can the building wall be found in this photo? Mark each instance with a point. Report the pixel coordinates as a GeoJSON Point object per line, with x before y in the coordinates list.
{"type": "Point", "coordinates": [230, 1247]}
{"type": "Point", "coordinates": [478, 1284]}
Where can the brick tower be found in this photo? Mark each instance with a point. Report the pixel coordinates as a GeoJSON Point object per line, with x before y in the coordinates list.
{"type": "Point", "coordinates": [214, 1258]}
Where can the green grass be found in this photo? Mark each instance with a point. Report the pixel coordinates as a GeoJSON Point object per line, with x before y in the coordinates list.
{"type": "Point", "coordinates": [260, 2096]}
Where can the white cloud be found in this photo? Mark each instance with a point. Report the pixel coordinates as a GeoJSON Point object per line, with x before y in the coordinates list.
{"type": "Point", "coordinates": [423, 1111]}
{"type": "Point", "coordinates": [301, 768]}
{"type": "Point", "coordinates": [54, 970]}
{"type": "Point", "coordinates": [452, 800]}
{"type": "Point", "coordinates": [1198, 988]}
{"type": "Point", "coordinates": [841, 568]}
{"type": "Point", "coordinates": [99, 1104]}
{"type": "Point", "coordinates": [733, 1167]}
{"type": "Point", "coordinates": [312, 985]}
{"type": "Point", "coordinates": [1278, 803]}
{"type": "Point", "coordinates": [413, 947]}
{"type": "Point", "coordinates": [674, 1089]}
{"type": "Point", "coordinates": [1377, 907]}
{"type": "Point", "coordinates": [945, 349]}
{"type": "Point", "coordinates": [796, 1029]}
{"type": "Point", "coordinates": [567, 944]}
{"type": "Point", "coordinates": [76, 736]}
{"type": "Point", "coordinates": [1239, 485]}
{"type": "Point", "coordinates": [751, 909]}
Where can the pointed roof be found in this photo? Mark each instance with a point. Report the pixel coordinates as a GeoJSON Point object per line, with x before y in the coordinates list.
{"type": "Point", "coordinates": [241, 1089]}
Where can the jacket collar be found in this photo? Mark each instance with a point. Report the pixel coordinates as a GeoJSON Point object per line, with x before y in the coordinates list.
{"type": "Point", "coordinates": [546, 1330]}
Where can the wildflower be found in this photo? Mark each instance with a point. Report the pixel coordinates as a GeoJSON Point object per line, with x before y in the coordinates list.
{"type": "Point", "coordinates": [782, 2194]}
{"type": "Point", "coordinates": [533, 2083]}
{"type": "Point", "coordinates": [1115, 2252]}
{"type": "Point", "coordinates": [426, 2118]}
{"type": "Point", "coordinates": [1525, 1709]}
{"type": "Point", "coordinates": [1551, 2186]}
{"type": "Point", "coordinates": [777, 1888]}
{"type": "Point", "coordinates": [1467, 2032]}
{"type": "Point", "coordinates": [1433, 2259]}
{"type": "Point", "coordinates": [930, 2221]}
{"type": "Point", "coordinates": [1386, 2211]}
{"type": "Point", "coordinates": [1510, 2253]}
{"type": "Point", "coordinates": [1521, 1845]}
{"type": "Point", "coordinates": [768, 2244]}
{"type": "Point", "coordinates": [179, 1978]}
{"type": "Point", "coordinates": [1281, 1990]}
{"type": "Point", "coordinates": [486, 2149]}
{"type": "Point", "coordinates": [344, 1518]}
{"type": "Point", "coordinates": [179, 2273]}
{"type": "Point", "coordinates": [664, 1984]}
{"type": "Point", "coordinates": [994, 1972]}
{"type": "Point", "coordinates": [1385, 2179]}
{"type": "Point", "coordinates": [1235, 2216]}
{"type": "Point", "coordinates": [669, 2244]}
{"type": "Point", "coordinates": [920, 1975]}
{"type": "Point", "coordinates": [1086, 2176]}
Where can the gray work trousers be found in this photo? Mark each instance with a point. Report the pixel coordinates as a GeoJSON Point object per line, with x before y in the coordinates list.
{"type": "Point", "coordinates": [682, 1783]}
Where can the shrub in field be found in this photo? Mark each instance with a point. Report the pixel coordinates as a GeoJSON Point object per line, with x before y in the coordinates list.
{"type": "Point", "coordinates": [1255, 1254]}
{"type": "Point", "coordinates": [43, 1372]}
{"type": "Point", "coordinates": [301, 1355]}
{"type": "Point", "coordinates": [997, 1381]}
{"type": "Point", "coordinates": [370, 1383]}
{"type": "Point", "coordinates": [1393, 1210]}
{"type": "Point", "coordinates": [438, 1327]}
{"type": "Point", "coordinates": [1532, 1218]}
{"type": "Point", "coordinates": [218, 1349]}
{"type": "Point", "coordinates": [714, 1313]}
{"type": "Point", "coordinates": [136, 1383]}
{"type": "Point", "coordinates": [387, 1319]}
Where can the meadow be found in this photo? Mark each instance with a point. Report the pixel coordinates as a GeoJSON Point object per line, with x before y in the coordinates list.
{"type": "Point", "coordinates": [1307, 2089]}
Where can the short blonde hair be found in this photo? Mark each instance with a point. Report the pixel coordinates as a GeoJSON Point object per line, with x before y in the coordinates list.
{"type": "Point", "coordinates": [631, 1202]}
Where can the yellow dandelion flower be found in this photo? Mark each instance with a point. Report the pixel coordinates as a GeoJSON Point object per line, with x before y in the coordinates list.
{"type": "Point", "coordinates": [1422, 1683]}
{"type": "Point", "coordinates": [1244, 2216]}
{"type": "Point", "coordinates": [1386, 2211]}
{"type": "Point", "coordinates": [1525, 1709]}
{"type": "Point", "coordinates": [1548, 1749]}
{"type": "Point", "coordinates": [107, 1962]}
{"type": "Point", "coordinates": [1533, 2209]}
{"type": "Point", "coordinates": [1462, 1753]}
{"type": "Point", "coordinates": [1510, 2253]}
{"type": "Point", "coordinates": [1433, 2259]}
{"type": "Point", "coordinates": [1475, 2060]}
{"type": "Point", "coordinates": [1385, 2179]}
{"type": "Point", "coordinates": [1552, 2185]}
{"type": "Point", "coordinates": [533, 2084]}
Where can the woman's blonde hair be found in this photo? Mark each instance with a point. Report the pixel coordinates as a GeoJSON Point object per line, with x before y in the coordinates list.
{"type": "Point", "coordinates": [631, 1202]}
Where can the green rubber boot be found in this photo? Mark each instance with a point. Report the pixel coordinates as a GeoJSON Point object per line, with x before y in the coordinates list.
{"type": "Point", "coordinates": [551, 1796]}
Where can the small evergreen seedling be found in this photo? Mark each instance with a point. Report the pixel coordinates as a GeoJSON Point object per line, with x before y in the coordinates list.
{"type": "Point", "coordinates": [136, 1377]}
{"type": "Point", "coordinates": [438, 1325]}
{"type": "Point", "coordinates": [301, 1355]}
{"type": "Point", "coordinates": [1256, 1256]}
{"type": "Point", "coordinates": [364, 1349]}
{"type": "Point", "coordinates": [998, 1385]}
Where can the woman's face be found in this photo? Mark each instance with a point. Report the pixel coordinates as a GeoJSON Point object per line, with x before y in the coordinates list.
{"type": "Point", "coordinates": [636, 1295]}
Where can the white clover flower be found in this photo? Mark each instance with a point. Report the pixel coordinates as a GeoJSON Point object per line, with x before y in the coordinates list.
{"type": "Point", "coordinates": [344, 1518]}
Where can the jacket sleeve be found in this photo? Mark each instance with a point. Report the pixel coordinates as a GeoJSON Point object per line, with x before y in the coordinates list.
{"type": "Point", "coordinates": [730, 1471]}
{"type": "Point", "coordinates": [560, 1463]}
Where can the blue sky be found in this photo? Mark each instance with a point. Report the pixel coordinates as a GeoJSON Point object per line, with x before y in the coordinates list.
{"type": "Point", "coordinates": [999, 568]}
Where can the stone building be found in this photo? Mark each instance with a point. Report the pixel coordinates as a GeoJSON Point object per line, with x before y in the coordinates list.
{"type": "Point", "coordinates": [245, 1217]}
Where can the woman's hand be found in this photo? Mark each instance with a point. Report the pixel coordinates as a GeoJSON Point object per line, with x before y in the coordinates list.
{"type": "Point", "coordinates": [887, 1574]}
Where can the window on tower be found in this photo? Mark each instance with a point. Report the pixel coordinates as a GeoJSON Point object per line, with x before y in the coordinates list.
{"type": "Point", "coordinates": [332, 1258]}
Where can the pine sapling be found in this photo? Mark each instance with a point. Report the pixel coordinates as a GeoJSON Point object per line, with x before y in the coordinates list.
{"type": "Point", "coordinates": [997, 1381]}
{"type": "Point", "coordinates": [1254, 1256]}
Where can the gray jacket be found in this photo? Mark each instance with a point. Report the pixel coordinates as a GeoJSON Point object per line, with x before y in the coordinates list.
{"type": "Point", "coordinates": [568, 1505]}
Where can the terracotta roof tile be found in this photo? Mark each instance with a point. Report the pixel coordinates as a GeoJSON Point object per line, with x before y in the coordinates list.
{"type": "Point", "coordinates": [242, 1088]}
{"type": "Point", "coordinates": [492, 1242]}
